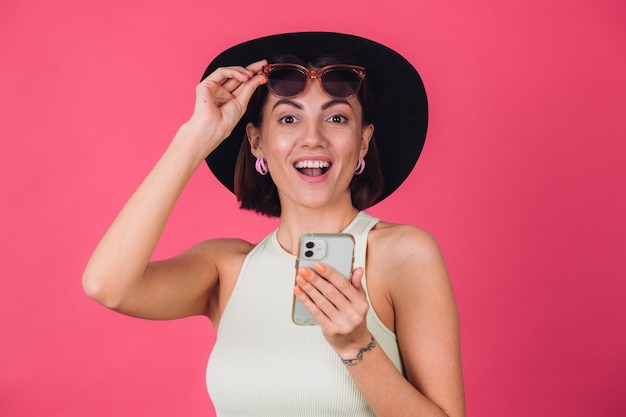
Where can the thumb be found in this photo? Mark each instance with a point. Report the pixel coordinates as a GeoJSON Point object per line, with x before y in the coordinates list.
{"type": "Point", "coordinates": [235, 109]}
{"type": "Point", "coordinates": [357, 278]}
{"type": "Point", "coordinates": [245, 91]}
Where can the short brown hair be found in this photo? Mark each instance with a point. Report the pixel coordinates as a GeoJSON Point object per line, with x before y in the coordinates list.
{"type": "Point", "coordinates": [259, 193]}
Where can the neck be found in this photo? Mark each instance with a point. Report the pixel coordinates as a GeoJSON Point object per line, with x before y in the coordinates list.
{"type": "Point", "coordinates": [299, 220]}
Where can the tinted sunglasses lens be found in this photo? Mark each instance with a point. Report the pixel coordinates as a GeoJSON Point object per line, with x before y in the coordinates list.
{"type": "Point", "coordinates": [341, 82]}
{"type": "Point", "coordinates": [286, 82]}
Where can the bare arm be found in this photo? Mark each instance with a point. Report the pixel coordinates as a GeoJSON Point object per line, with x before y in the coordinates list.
{"type": "Point", "coordinates": [119, 274]}
{"type": "Point", "coordinates": [427, 328]}
{"type": "Point", "coordinates": [424, 313]}
{"type": "Point", "coordinates": [427, 325]}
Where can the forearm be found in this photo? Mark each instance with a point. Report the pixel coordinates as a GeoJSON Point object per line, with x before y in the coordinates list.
{"type": "Point", "coordinates": [387, 391]}
{"type": "Point", "coordinates": [122, 255]}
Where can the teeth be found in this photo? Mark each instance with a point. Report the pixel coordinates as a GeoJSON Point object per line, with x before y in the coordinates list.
{"type": "Point", "coordinates": [312, 164]}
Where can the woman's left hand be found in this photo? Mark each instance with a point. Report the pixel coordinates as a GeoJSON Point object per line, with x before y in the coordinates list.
{"type": "Point", "coordinates": [339, 306]}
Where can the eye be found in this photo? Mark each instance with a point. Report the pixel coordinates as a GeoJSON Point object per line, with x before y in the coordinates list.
{"type": "Point", "coordinates": [288, 119]}
{"type": "Point", "coordinates": [337, 118]}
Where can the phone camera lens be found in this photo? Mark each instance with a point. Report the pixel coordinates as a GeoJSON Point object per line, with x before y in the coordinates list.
{"type": "Point", "coordinates": [308, 253]}
{"type": "Point", "coordinates": [309, 244]}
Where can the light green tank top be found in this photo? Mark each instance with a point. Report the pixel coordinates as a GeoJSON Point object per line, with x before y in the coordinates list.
{"type": "Point", "coordinates": [263, 364]}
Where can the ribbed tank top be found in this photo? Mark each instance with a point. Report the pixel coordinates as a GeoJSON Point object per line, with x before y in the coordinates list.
{"type": "Point", "coordinates": [263, 364]}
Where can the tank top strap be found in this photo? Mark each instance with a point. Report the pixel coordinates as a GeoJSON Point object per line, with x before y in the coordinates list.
{"type": "Point", "coordinates": [359, 228]}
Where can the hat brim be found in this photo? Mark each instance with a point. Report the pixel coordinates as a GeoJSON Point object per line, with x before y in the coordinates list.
{"type": "Point", "coordinates": [401, 104]}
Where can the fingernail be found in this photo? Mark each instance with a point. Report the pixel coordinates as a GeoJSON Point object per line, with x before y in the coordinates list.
{"type": "Point", "coordinates": [297, 290]}
{"type": "Point", "coordinates": [320, 268]}
{"type": "Point", "coordinates": [300, 280]}
{"type": "Point", "coordinates": [304, 272]}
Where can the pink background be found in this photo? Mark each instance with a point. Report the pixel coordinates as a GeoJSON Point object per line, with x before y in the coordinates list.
{"type": "Point", "coordinates": [521, 179]}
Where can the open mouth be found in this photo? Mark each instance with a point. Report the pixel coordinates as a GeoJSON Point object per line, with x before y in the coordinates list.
{"type": "Point", "coordinates": [312, 168]}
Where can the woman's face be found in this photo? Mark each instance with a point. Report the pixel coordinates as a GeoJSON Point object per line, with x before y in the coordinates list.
{"type": "Point", "coordinates": [311, 144]}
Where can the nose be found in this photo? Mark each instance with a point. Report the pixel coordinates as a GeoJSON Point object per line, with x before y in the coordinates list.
{"type": "Point", "coordinates": [315, 135]}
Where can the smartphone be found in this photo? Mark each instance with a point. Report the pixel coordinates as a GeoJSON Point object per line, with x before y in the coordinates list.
{"type": "Point", "coordinates": [333, 249]}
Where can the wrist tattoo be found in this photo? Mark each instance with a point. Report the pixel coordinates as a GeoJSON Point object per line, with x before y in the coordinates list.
{"type": "Point", "coordinates": [359, 356]}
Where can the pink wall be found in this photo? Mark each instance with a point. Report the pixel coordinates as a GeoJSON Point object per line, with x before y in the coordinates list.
{"type": "Point", "coordinates": [522, 180]}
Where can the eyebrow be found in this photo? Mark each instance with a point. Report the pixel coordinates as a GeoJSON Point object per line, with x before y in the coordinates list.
{"type": "Point", "coordinates": [335, 102]}
{"type": "Point", "coordinates": [287, 102]}
{"type": "Point", "coordinates": [299, 106]}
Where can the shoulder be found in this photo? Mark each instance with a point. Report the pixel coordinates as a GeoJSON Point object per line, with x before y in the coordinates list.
{"type": "Point", "coordinates": [404, 243]}
{"type": "Point", "coordinates": [216, 249]}
{"type": "Point", "coordinates": [408, 257]}
{"type": "Point", "coordinates": [218, 255]}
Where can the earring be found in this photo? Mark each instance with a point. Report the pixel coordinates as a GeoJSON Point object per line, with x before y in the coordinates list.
{"type": "Point", "coordinates": [360, 166]}
{"type": "Point", "coordinates": [261, 166]}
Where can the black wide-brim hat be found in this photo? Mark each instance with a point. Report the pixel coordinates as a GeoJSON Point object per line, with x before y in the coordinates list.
{"type": "Point", "coordinates": [401, 106]}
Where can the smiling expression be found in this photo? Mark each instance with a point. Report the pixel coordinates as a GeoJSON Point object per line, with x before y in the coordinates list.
{"type": "Point", "coordinates": [311, 144]}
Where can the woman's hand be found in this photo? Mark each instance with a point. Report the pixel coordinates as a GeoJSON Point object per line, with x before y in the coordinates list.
{"type": "Point", "coordinates": [339, 306]}
{"type": "Point", "coordinates": [222, 99]}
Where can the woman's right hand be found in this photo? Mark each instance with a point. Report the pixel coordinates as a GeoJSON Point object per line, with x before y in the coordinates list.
{"type": "Point", "coordinates": [222, 99]}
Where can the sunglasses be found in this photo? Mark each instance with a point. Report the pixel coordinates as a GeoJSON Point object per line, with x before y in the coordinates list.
{"type": "Point", "coordinates": [338, 81]}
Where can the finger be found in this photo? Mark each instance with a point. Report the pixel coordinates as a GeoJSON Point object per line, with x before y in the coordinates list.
{"type": "Point", "coordinates": [325, 295]}
{"type": "Point", "coordinates": [228, 77]}
{"type": "Point", "coordinates": [310, 305]}
{"type": "Point", "coordinates": [232, 84]}
{"type": "Point", "coordinates": [244, 92]}
{"type": "Point", "coordinates": [257, 66]}
{"type": "Point", "coordinates": [341, 282]}
{"type": "Point", "coordinates": [223, 73]}
{"type": "Point", "coordinates": [346, 296]}
{"type": "Point", "coordinates": [333, 320]}
{"type": "Point", "coordinates": [320, 307]}
{"type": "Point", "coordinates": [234, 104]}
{"type": "Point", "coordinates": [335, 313]}
{"type": "Point", "coordinates": [251, 70]}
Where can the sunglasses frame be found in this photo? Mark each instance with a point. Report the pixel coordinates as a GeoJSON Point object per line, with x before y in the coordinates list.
{"type": "Point", "coordinates": [317, 74]}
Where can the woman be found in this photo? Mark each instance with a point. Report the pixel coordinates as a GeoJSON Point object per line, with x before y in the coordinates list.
{"type": "Point", "coordinates": [387, 344]}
